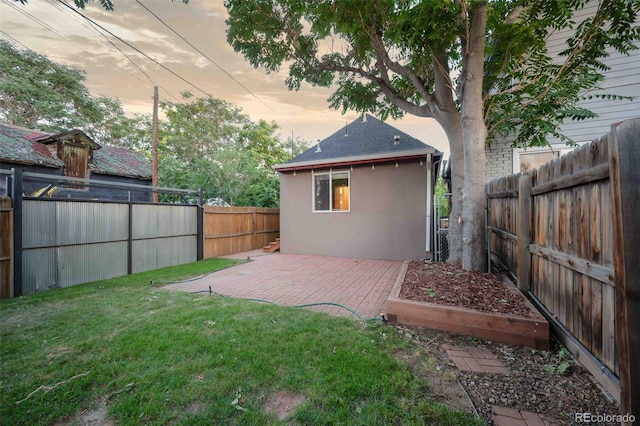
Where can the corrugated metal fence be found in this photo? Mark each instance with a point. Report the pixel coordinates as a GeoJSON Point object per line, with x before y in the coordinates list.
{"type": "Point", "coordinates": [64, 242]}
{"type": "Point", "coordinates": [71, 242]}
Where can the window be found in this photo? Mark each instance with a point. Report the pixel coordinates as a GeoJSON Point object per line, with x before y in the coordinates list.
{"type": "Point", "coordinates": [331, 192]}
{"type": "Point", "coordinates": [532, 158]}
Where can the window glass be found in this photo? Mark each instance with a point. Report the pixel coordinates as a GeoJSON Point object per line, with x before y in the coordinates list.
{"type": "Point", "coordinates": [340, 191]}
{"type": "Point", "coordinates": [533, 160]}
{"type": "Point", "coordinates": [322, 194]}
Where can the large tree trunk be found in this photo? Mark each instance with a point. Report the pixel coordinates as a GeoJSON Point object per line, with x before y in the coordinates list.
{"type": "Point", "coordinates": [474, 133]}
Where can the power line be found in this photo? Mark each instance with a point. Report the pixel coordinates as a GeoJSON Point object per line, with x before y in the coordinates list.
{"type": "Point", "coordinates": [134, 48]}
{"type": "Point", "coordinates": [92, 27]}
{"type": "Point", "coordinates": [197, 50]}
{"type": "Point", "coordinates": [207, 57]}
{"type": "Point", "coordinates": [13, 40]}
{"type": "Point", "coordinates": [43, 24]}
{"type": "Point", "coordinates": [36, 20]}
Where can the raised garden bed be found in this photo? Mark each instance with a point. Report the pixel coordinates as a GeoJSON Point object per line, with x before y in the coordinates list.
{"type": "Point", "coordinates": [442, 297]}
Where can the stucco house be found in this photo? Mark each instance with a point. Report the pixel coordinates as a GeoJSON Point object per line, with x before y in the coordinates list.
{"type": "Point", "coordinates": [622, 78]}
{"type": "Point", "coordinates": [71, 154]}
{"type": "Point", "coordinates": [366, 191]}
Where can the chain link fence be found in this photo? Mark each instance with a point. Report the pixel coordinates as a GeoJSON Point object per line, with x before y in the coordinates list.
{"type": "Point", "coordinates": [442, 204]}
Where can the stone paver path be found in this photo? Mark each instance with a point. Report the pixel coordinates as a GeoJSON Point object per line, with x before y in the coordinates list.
{"type": "Point", "coordinates": [477, 360]}
{"type": "Point", "coordinates": [483, 361]}
{"type": "Point", "coordinates": [504, 416]}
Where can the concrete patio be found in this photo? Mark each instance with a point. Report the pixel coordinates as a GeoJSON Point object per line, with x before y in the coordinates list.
{"type": "Point", "coordinates": [363, 285]}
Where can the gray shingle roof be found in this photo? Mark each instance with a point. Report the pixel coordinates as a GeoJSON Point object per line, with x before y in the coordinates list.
{"type": "Point", "coordinates": [362, 138]}
{"type": "Point", "coordinates": [111, 160]}
{"type": "Point", "coordinates": [19, 145]}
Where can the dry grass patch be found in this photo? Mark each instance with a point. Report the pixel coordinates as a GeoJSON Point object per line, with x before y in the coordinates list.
{"type": "Point", "coordinates": [283, 404]}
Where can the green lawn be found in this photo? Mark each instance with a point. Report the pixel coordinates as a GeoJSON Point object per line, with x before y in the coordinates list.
{"type": "Point", "coordinates": [121, 350]}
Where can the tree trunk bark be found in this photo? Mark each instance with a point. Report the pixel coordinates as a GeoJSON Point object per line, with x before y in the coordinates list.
{"type": "Point", "coordinates": [474, 133]}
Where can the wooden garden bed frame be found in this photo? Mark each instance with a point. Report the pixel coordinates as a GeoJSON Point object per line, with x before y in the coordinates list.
{"type": "Point", "coordinates": [511, 329]}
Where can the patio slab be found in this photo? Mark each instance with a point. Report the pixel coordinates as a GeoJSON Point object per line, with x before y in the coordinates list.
{"type": "Point", "coordinates": [363, 285]}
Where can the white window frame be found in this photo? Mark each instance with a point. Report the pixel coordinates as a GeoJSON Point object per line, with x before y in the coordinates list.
{"type": "Point", "coordinates": [560, 149]}
{"type": "Point", "coordinates": [313, 191]}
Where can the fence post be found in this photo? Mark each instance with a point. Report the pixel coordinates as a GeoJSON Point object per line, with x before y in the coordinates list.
{"type": "Point", "coordinates": [130, 236]}
{"type": "Point", "coordinates": [16, 201]}
{"type": "Point", "coordinates": [524, 233]}
{"type": "Point", "coordinates": [624, 156]}
{"type": "Point", "coordinates": [254, 238]}
{"type": "Point", "coordinates": [200, 225]}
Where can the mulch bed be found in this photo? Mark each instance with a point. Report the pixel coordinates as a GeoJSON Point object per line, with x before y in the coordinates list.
{"type": "Point", "coordinates": [447, 284]}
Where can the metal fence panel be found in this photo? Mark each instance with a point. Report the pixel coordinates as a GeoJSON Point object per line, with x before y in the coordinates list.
{"type": "Point", "coordinates": [91, 262]}
{"type": "Point", "coordinates": [82, 223]}
{"type": "Point", "coordinates": [150, 221]}
{"type": "Point", "coordinates": [160, 252]}
{"type": "Point", "coordinates": [39, 270]}
{"type": "Point", "coordinates": [38, 224]}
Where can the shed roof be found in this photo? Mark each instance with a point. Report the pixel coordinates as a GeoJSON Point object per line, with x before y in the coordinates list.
{"type": "Point", "coordinates": [18, 145]}
{"type": "Point", "coordinates": [25, 146]}
{"type": "Point", "coordinates": [111, 160]}
{"type": "Point", "coordinates": [362, 140]}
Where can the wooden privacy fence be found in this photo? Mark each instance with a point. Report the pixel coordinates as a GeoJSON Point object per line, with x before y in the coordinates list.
{"type": "Point", "coordinates": [6, 248]}
{"type": "Point", "coordinates": [229, 230]}
{"type": "Point", "coordinates": [569, 231]}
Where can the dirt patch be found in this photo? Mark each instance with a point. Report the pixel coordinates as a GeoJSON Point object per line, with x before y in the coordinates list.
{"type": "Point", "coordinates": [95, 416]}
{"type": "Point", "coordinates": [442, 384]}
{"type": "Point", "coordinates": [446, 284]}
{"type": "Point", "coordinates": [283, 404]}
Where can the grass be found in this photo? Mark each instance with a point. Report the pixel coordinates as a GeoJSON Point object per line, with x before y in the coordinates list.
{"type": "Point", "coordinates": [121, 350]}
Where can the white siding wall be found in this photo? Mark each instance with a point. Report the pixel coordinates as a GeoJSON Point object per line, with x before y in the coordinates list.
{"type": "Point", "coordinates": [623, 78]}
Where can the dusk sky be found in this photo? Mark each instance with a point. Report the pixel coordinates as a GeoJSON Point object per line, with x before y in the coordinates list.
{"type": "Point", "coordinates": [49, 28]}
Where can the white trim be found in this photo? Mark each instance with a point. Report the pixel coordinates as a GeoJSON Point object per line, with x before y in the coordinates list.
{"type": "Point", "coordinates": [313, 191]}
{"type": "Point", "coordinates": [357, 158]}
{"type": "Point", "coordinates": [429, 201]}
{"type": "Point", "coordinates": [560, 149]}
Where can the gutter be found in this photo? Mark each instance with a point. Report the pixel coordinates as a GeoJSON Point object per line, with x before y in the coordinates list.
{"type": "Point", "coordinates": [354, 160]}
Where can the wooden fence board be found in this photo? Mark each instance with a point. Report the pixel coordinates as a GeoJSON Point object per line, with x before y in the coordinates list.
{"type": "Point", "coordinates": [567, 249]}
{"type": "Point", "coordinates": [6, 248]}
{"type": "Point", "coordinates": [229, 230]}
{"type": "Point", "coordinates": [625, 180]}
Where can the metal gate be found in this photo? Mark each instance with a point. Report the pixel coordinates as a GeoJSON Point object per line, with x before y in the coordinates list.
{"type": "Point", "coordinates": [442, 207]}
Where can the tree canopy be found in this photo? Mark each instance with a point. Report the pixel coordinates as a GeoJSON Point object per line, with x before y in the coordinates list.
{"type": "Point", "coordinates": [211, 144]}
{"type": "Point", "coordinates": [480, 68]}
{"type": "Point", "coordinates": [203, 142]}
{"type": "Point", "coordinates": [40, 94]}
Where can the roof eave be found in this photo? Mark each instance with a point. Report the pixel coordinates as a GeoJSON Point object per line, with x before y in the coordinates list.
{"type": "Point", "coordinates": [356, 159]}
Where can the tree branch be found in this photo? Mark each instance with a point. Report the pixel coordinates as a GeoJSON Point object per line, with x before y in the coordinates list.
{"type": "Point", "coordinates": [47, 389]}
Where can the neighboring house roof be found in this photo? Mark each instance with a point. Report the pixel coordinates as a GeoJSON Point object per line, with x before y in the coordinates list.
{"type": "Point", "coordinates": [25, 146]}
{"type": "Point", "coordinates": [18, 145]}
{"type": "Point", "coordinates": [111, 160]}
{"type": "Point", "coordinates": [364, 140]}
{"type": "Point", "coordinates": [48, 138]}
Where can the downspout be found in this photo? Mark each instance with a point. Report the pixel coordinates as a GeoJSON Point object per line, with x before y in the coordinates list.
{"type": "Point", "coordinates": [430, 185]}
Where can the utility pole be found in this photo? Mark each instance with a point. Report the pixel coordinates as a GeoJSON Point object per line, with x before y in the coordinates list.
{"type": "Point", "coordinates": [154, 176]}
